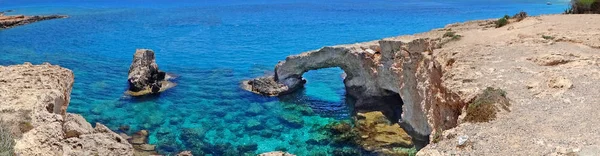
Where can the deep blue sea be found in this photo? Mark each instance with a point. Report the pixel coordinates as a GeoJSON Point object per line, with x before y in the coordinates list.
{"type": "Point", "coordinates": [213, 45]}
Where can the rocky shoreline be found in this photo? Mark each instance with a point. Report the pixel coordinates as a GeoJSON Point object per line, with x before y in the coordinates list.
{"type": "Point", "coordinates": [18, 20]}
{"type": "Point", "coordinates": [33, 102]}
{"type": "Point", "coordinates": [518, 71]}
{"type": "Point", "coordinates": [535, 75]}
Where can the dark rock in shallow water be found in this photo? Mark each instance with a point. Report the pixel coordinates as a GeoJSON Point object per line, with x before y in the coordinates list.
{"type": "Point", "coordinates": [251, 147]}
{"type": "Point", "coordinates": [144, 76]}
{"type": "Point", "coordinates": [141, 137]}
{"type": "Point", "coordinates": [268, 86]}
{"type": "Point", "coordinates": [18, 20]}
{"type": "Point", "coordinates": [292, 120]}
{"type": "Point", "coordinates": [254, 125]}
{"type": "Point", "coordinates": [346, 152]}
{"type": "Point", "coordinates": [124, 128]}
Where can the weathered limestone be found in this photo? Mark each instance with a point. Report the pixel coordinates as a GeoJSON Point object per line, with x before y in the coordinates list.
{"type": "Point", "coordinates": [37, 97]}
{"type": "Point", "coordinates": [144, 76]}
{"type": "Point", "coordinates": [376, 72]}
{"type": "Point", "coordinates": [18, 20]}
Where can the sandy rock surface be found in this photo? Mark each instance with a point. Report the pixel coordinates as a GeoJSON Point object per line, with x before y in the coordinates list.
{"type": "Point", "coordinates": [34, 100]}
{"type": "Point", "coordinates": [549, 67]}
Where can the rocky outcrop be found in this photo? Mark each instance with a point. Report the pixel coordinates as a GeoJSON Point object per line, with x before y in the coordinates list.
{"type": "Point", "coordinates": [543, 72]}
{"type": "Point", "coordinates": [18, 20]}
{"type": "Point", "coordinates": [392, 76]}
{"type": "Point", "coordinates": [144, 76]}
{"type": "Point", "coordinates": [34, 100]}
{"type": "Point", "coordinates": [276, 153]}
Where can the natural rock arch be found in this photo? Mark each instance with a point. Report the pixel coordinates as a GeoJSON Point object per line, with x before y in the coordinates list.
{"type": "Point", "coordinates": [375, 71]}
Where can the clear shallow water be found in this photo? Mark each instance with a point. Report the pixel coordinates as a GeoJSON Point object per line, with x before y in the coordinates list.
{"type": "Point", "coordinates": [211, 47]}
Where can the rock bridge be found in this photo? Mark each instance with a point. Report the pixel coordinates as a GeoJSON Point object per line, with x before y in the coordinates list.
{"type": "Point", "coordinates": [401, 79]}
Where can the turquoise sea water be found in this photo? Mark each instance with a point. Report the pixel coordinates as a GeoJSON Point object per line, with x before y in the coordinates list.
{"type": "Point", "coordinates": [211, 46]}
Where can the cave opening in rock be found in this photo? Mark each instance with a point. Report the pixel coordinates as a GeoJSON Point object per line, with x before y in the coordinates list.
{"type": "Point", "coordinates": [324, 92]}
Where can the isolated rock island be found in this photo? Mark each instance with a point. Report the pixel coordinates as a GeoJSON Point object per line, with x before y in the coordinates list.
{"type": "Point", "coordinates": [144, 77]}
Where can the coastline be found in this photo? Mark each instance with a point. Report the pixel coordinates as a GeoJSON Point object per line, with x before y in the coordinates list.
{"type": "Point", "coordinates": [7, 22]}
{"type": "Point", "coordinates": [531, 57]}
{"type": "Point", "coordinates": [465, 73]}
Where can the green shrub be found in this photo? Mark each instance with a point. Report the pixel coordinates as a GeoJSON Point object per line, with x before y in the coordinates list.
{"type": "Point", "coordinates": [520, 16]}
{"type": "Point", "coordinates": [584, 7]}
{"type": "Point", "coordinates": [452, 35]}
{"type": "Point", "coordinates": [449, 34]}
{"type": "Point", "coordinates": [456, 37]}
{"type": "Point", "coordinates": [506, 17]}
{"type": "Point", "coordinates": [501, 22]}
{"type": "Point", "coordinates": [485, 105]}
{"type": "Point", "coordinates": [7, 142]}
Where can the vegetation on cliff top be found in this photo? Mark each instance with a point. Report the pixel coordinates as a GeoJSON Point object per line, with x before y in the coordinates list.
{"type": "Point", "coordinates": [584, 7]}
{"type": "Point", "coordinates": [7, 141]}
{"type": "Point", "coordinates": [485, 106]}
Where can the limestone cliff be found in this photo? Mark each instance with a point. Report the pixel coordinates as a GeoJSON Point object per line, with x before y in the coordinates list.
{"type": "Point", "coordinates": [546, 66]}
{"type": "Point", "coordinates": [380, 69]}
{"type": "Point", "coordinates": [34, 100]}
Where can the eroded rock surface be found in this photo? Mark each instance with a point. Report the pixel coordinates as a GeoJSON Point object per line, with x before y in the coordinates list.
{"type": "Point", "coordinates": [548, 66]}
{"type": "Point", "coordinates": [34, 100]}
{"type": "Point", "coordinates": [18, 20]}
{"type": "Point", "coordinates": [378, 70]}
{"type": "Point", "coordinates": [144, 76]}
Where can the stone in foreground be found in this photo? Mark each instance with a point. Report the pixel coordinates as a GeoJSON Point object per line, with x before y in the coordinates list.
{"type": "Point", "coordinates": [144, 77]}
{"type": "Point", "coordinates": [38, 97]}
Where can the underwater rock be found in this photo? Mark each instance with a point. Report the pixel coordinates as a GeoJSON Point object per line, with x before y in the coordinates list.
{"type": "Point", "coordinates": [250, 147]}
{"type": "Point", "coordinates": [140, 137]}
{"type": "Point", "coordinates": [185, 153]}
{"type": "Point", "coordinates": [378, 134]}
{"type": "Point", "coordinates": [255, 109]}
{"type": "Point", "coordinates": [38, 96]}
{"type": "Point", "coordinates": [340, 127]}
{"type": "Point", "coordinates": [124, 128]}
{"type": "Point", "coordinates": [253, 124]}
{"type": "Point", "coordinates": [175, 120]}
{"type": "Point", "coordinates": [193, 139]}
{"type": "Point", "coordinates": [144, 76]}
{"type": "Point", "coordinates": [292, 120]}
{"type": "Point", "coordinates": [346, 152]}
{"type": "Point", "coordinates": [276, 153]}
{"type": "Point", "coordinates": [18, 20]}
{"type": "Point", "coordinates": [318, 140]}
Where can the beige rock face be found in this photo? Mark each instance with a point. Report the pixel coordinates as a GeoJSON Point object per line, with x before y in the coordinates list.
{"type": "Point", "coordinates": [382, 68]}
{"type": "Point", "coordinates": [38, 95]}
{"type": "Point", "coordinates": [550, 81]}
